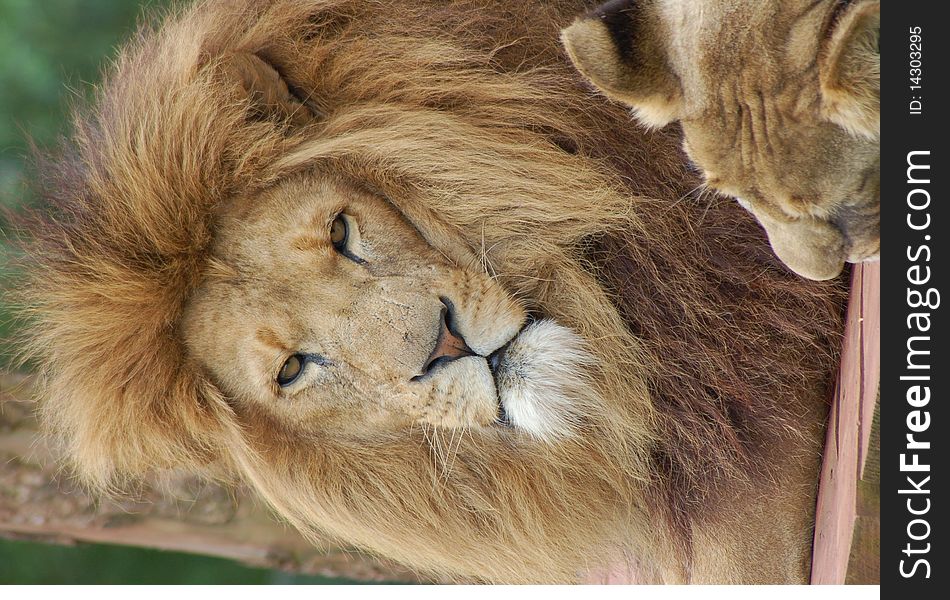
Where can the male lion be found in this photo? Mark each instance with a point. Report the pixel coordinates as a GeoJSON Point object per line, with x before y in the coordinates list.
{"type": "Point", "coordinates": [779, 103]}
{"type": "Point", "coordinates": [390, 265]}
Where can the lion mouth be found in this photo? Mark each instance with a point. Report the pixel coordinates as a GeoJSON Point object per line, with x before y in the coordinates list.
{"type": "Point", "coordinates": [496, 362]}
{"type": "Point", "coordinates": [498, 367]}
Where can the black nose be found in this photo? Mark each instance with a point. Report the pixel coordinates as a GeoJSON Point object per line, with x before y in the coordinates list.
{"type": "Point", "coordinates": [450, 345]}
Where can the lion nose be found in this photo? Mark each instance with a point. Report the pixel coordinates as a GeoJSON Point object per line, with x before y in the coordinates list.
{"type": "Point", "coordinates": [450, 345]}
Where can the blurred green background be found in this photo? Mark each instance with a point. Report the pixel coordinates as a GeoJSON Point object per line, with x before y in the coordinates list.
{"type": "Point", "coordinates": [52, 52]}
{"type": "Point", "coordinates": [33, 563]}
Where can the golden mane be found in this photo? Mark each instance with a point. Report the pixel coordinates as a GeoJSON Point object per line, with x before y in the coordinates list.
{"type": "Point", "coordinates": [457, 104]}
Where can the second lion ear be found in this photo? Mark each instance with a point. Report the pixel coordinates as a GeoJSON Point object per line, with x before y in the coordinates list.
{"type": "Point", "coordinates": [851, 70]}
{"type": "Point", "coordinates": [620, 46]}
{"type": "Point", "coordinates": [266, 90]}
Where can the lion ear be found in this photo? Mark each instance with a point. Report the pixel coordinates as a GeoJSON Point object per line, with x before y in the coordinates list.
{"type": "Point", "coordinates": [620, 46]}
{"type": "Point", "coordinates": [267, 91]}
{"type": "Point", "coordinates": [851, 70]}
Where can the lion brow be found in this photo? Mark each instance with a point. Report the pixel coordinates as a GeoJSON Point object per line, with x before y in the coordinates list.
{"type": "Point", "coordinates": [309, 242]}
{"type": "Point", "coordinates": [269, 338]}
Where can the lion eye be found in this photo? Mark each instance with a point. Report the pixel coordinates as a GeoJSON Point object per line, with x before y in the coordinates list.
{"type": "Point", "coordinates": [291, 370]}
{"type": "Point", "coordinates": [339, 232]}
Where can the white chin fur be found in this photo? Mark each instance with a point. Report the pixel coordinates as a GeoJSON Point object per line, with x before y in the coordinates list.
{"type": "Point", "coordinates": [542, 380]}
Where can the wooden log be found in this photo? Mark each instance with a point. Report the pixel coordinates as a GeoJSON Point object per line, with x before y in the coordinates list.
{"type": "Point", "coordinates": [40, 502]}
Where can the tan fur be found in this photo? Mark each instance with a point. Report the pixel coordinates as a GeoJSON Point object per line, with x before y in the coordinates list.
{"type": "Point", "coordinates": [187, 253]}
{"type": "Point", "coordinates": [779, 104]}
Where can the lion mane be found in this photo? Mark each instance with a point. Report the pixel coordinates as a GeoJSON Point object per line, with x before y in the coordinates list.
{"type": "Point", "coordinates": [714, 362]}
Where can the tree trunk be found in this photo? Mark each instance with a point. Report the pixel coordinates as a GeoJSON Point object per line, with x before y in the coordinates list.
{"type": "Point", "coordinates": [39, 502]}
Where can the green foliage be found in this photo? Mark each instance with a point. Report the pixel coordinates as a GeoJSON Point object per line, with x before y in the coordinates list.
{"type": "Point", "coordinates": [32, 563]}
{"type": "Point", "coordinates": [52, 50]}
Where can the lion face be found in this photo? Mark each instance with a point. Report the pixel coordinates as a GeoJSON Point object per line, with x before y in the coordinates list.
{"type": "Point", "coordinates": [336, 306]}
{"type": "Point", "coordinates": [819, 208]}
{"type": "Point", "coordinates": [778, 103]}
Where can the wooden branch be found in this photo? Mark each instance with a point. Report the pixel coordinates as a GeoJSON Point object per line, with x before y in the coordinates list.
{"type": "Point", "coordinates": [39, 502]}
{"type": "Point", "coordinates": [849, 428]}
